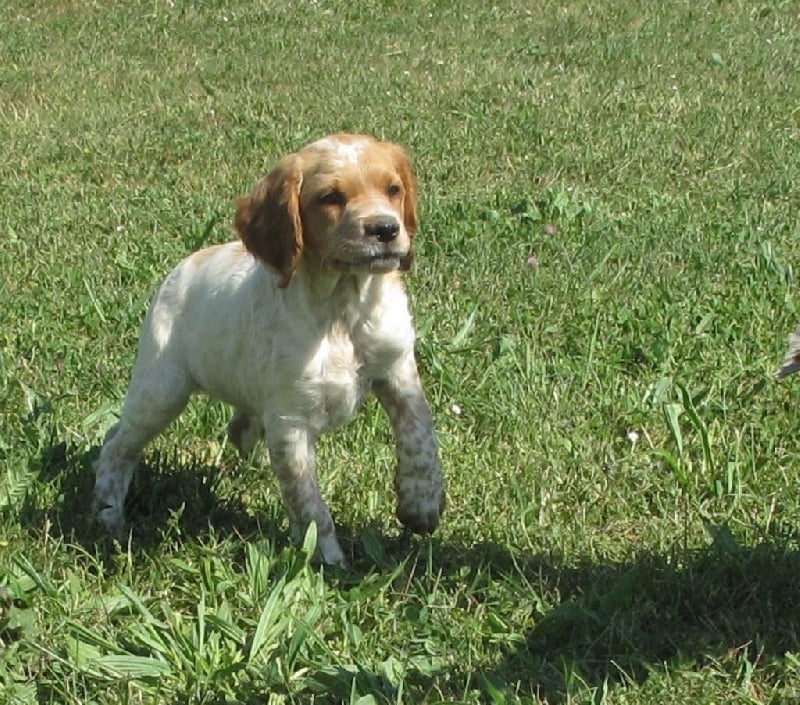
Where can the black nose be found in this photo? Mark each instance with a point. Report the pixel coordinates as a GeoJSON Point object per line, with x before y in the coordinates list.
{"type": "Point", "coordinates": [383, 228]}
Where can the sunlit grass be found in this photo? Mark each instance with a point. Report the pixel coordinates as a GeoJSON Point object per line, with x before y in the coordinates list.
{"type": "Point", "coordinates": [604, 285]}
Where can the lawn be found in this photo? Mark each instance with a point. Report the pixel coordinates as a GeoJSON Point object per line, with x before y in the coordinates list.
{"type": "Point", "coordinates": [604, 284]}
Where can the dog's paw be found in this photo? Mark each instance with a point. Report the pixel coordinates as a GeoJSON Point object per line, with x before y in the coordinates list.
{"type": "Point", "coordinates": [330, 552]}
{"type": "Point", "coordinates": [110, 518]}
{"type": "Point", "coordinates": [421, 514]}
{"type": "Point", "coordinates": [420, 500]}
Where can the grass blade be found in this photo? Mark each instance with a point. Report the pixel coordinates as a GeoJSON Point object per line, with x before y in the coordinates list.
{"type": "Point", "coordinates": [267, 620]}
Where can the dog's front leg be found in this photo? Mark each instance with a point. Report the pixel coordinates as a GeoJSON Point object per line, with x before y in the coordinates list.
{"type": "Point", "coordinates": [293, 457]}
{"type": "Point", "coordinates": [418, 479]}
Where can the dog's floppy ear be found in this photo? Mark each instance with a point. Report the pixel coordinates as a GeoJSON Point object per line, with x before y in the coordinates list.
{"type": "Point", "coordinates": [403, 165]}
{"type": "Point", "coordinates": [268, 219]}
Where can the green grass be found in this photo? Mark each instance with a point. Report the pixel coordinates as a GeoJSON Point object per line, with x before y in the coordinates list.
{"type": "Point", "coordinates": [624, 516]}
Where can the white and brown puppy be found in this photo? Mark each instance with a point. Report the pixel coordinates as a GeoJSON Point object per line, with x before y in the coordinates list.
{"type": "Point", "coordinates": [293, 326]}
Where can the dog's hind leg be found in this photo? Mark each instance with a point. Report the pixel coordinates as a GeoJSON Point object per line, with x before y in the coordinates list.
{"type": "Point", "coordinates": [157, 394]}
{"type": "Point", "coordinates": [244, 431]}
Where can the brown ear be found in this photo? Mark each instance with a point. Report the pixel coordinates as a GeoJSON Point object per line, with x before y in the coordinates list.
{"type": "Point", "coordinates": [268, 219]}
{"type": "Point", "coordinates": [403, 166]}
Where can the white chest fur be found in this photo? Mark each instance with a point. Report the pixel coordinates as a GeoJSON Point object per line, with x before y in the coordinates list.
{"type": "Point", "coordinates": [350, 357]}
{"type": "Point", "coordinates": [333, 382]}
{"type": "Point", "coordinates": [308, 352]}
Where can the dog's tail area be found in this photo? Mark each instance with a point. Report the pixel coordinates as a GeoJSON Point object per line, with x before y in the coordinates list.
{"type": "Point", "coordinates": [791, 363]}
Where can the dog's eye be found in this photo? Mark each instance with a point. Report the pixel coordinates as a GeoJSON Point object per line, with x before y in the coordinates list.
{"type": "Point", "coordinates": [394, 190]}
{"type": "Point", "coordinates": [333, 198]}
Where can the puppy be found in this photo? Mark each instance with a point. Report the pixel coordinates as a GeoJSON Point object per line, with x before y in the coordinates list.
{"type": "Point", "coordinates": [293, 325]}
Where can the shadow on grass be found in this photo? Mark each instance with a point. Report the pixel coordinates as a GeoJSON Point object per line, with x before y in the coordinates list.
{"type": "Point", "coordinates": [593, 623]}
{"type": "Point", "coordinates": [169, 497]}
{"type": "Point", "coordinates": [598, 624]}
{"type": "Point", "coordinates": [620, 622]}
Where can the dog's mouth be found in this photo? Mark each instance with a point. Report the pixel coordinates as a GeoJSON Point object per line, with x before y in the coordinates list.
{"type": "Point", "coordinates": [377, 262]}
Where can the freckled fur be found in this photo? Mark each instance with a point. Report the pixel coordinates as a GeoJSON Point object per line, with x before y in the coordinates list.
{"type": "Point", "coordinates": [293, 326]}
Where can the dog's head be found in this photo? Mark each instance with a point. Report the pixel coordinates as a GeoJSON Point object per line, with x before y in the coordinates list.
{"type": "Point", "coordinates": [346, 202]}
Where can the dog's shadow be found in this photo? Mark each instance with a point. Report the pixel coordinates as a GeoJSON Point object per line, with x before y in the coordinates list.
{"type": "Point", "coordinates": [170, 499]}
{"type": "Point", "coordinates": [179, 499]}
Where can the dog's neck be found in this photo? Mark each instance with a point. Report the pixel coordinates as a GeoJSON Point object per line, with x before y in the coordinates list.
{"type": "Point", "coordinates": [332, 296]}
{"type": "Point", "coordinates": [340, 288]}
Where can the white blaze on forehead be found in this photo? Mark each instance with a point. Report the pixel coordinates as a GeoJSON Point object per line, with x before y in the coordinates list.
{"type": "Point", "coordinates": [341, 152]}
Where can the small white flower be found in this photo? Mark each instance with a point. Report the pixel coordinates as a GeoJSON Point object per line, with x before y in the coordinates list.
{"type": "Point", "coordinates": [456, 409]}
{"type": "Point", "coordinates": [633, 436]}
